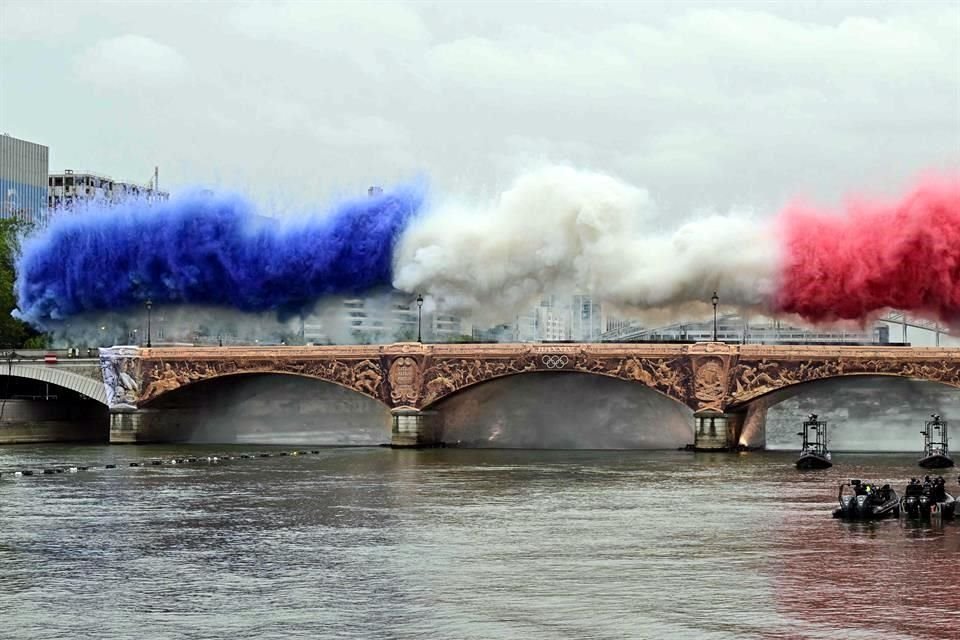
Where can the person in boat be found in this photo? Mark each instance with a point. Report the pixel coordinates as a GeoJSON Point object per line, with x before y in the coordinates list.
{"type": "Point", "coordinates": [939, 490]}
{"type": "Point", "coordinates": [914, 488]}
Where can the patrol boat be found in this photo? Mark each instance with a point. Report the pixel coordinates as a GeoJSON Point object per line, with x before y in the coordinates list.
{"type": "Point", "coordinates": [814, 454]}
{"type": "Point", "coordinates": [867, 502]}
{"type": "Point", "coordinates": [936, 453]}
{"type": "Point", "coordinates": [928, 499]}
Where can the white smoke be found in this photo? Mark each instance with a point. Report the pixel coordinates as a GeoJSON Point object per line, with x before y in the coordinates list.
{"type": "Point", "coordinates": [563, 230]}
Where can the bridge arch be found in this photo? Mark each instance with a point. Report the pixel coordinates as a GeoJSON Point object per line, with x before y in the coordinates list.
{"type": "Point", "coordinates": [564, 410]}
{"type": "Point", "coordinates": [151, 397]}
{"type": "Point", "coordinates": [262, 407]}
{"type": "Point", "coordinates": [451, 377]}
{"type": "Point", "coordinates": [854, 404]}
{"type": "Point", "coordinates": [163, 377]}
{"type": "Point", "coordinates": [60, 377]}
{"type": "Point", "coordinates": [783, 391]}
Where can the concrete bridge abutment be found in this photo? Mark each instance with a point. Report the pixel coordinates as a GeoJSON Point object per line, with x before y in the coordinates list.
{"type": "Point", "coordinates": [142, 426]}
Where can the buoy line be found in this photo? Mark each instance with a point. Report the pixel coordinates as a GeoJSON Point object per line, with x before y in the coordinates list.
{"type": "Point", "coordinates": [148, 462]}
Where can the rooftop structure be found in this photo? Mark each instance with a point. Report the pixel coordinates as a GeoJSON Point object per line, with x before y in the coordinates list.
{"type": "Point", "coordinates": [67, 188]}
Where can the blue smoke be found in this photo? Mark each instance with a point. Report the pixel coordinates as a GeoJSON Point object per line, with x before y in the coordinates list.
{"type": "Point", "coordinates": [202, 249]}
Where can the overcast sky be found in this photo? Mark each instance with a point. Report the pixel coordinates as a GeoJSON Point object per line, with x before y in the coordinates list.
{"type": "Point", "coordinates": [706, 104]}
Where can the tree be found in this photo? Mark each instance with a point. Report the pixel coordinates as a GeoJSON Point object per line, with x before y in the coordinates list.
{"type": "Point", "coordinates": [13, 332]}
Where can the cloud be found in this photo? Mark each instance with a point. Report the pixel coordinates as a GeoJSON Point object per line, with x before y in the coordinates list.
{"type": "Point", "coordinates": [28, 20]}
{"type": "Point", "coordinates": [715, 57]}
{"type": "Point", "coordinates": [347, 28]}
{"type": "Point", "coordinates": [707, 106]}
{"type": "Point", "coordinates": [131, 59]}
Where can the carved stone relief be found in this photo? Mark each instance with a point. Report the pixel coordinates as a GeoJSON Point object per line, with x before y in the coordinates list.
{"type": "Point", "coordinates": [755, 378]}
{"type": "Point", "coordinates": [667, 375]}
{"type": "Point", "coordinates": [703, 376]}
{"type": "Point", "coordinates": [404, 381]}
{"type": "Point", "coordinates": [160, 376]}
{"type": "Point", "coordinates": [443, 377]}
{"type": "Point", "coordinates": [120, 367]}
{"type": "Point", "coordinates": [710, 381]}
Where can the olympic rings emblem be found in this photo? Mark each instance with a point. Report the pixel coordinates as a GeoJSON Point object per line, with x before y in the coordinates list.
{"type": "Point", "coordinates": [554, 362]}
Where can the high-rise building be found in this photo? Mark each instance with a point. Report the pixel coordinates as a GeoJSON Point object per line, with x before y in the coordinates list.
{"type": "Point", "coordinates": [67, 188]}
{"type": "Point", "coordinates": [548, 321]}
{"type": "Point", "coordinates": [23, 179]}
{"type": "Point", "coordinates": [586, 319]}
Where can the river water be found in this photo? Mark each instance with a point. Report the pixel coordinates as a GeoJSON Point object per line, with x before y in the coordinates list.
{"type": "Point", "coordinates": [462, 544]}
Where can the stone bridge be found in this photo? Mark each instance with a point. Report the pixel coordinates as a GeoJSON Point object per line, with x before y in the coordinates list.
{"type": "Point", "coordinates": [727, 386]}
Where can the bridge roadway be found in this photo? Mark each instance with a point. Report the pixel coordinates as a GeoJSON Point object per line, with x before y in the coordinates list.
{"type": "Point", "coordinates": [727, 386]}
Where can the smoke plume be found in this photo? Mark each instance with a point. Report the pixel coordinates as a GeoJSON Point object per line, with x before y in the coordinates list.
{"type": "Point", "coordinates": [208, 250]}
{"type": "Point", "coordinates": [556, 230]}
{"type": "Point", "coordinates": [902, 255]}
{"type": "Point", "coordinates": [562, 230]}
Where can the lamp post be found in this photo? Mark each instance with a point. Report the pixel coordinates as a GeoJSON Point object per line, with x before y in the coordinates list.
{"type": "Point", "coordinates": [715, 300]}
{"type": "Point", "coordinates": [149, 305]}
{"type": "Point", "coordinates": [419, 317]}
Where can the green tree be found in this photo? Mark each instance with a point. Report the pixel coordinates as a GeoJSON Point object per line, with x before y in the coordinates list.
{"type": "Point", "coordinates": [13, 333]}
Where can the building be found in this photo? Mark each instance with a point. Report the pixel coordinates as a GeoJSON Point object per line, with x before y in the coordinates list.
{"type": "Point", "coordinates": [23, 179]}
{"type": "Point", "coordinates": [548, 321]}
{"type": "Point", "coordinates": [586, 319]}
{"type": "Point", "coordinates": [392, 317]}
{"type": "Point", "coordinates": [66, 189]}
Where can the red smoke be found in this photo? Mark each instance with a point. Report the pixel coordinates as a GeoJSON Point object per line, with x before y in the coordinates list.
{"type": "Point", "coordinates": [903, 255]}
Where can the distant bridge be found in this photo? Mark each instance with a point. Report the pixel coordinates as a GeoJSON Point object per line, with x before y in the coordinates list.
{"type": "Point", "coordinates": [724, 384]}
{"type": "Point", "coordinates": [775, 333]}
{"type": "Point", "coordinates": [80, 375]}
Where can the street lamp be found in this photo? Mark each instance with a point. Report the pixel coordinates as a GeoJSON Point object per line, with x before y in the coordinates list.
{"type": "Point", "coordinates": [715, 300]}
{"type": "Point", "coordinates": [419, 317]}
{"type": "Point", "coordinates": [149, 305]}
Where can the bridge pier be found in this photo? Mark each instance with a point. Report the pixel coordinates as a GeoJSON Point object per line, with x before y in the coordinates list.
{"type": "Point", "coordinates": [141, 426]}
{"type": "Point", "coordinates": [414, 429]}
{"type": "Point", "coordinates": [716, 431]}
